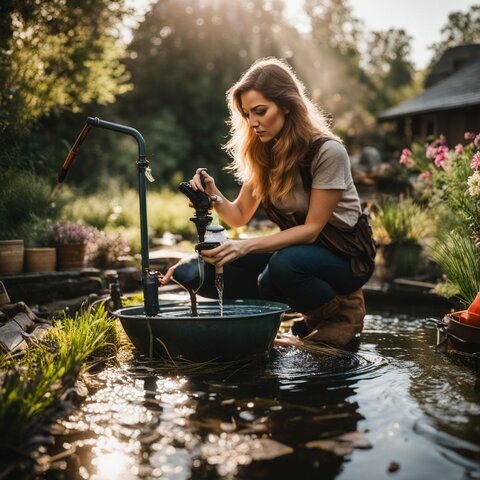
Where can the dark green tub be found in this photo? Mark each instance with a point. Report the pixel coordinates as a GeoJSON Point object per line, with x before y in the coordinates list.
{"type": "Point", "coordinates": [247, 329]}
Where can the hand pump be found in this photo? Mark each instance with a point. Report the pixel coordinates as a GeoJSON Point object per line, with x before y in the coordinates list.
{"type": "Point", "coordinates": [149, 281]}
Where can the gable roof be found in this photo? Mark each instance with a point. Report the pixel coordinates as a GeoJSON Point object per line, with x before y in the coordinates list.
{"type": "Point", "coordinates": [460, 90]}
{"type": "Point", "coordinates": [451, 61]}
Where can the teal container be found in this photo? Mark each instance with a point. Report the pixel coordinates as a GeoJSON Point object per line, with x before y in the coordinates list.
{"type": "Point", "coordinates": [247, 329]}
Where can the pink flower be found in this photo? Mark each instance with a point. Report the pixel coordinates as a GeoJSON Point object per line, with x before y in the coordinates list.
{"type": "Point", "coordinates": [406, 158]}
{"type": "Point", "coordinates": [468, 135]}
{"type": "Point", "coordinates": [475, 165]}
{"type": "Point", "coordinates": [440, 160]}
{"type": "Point", "coordinates": [426, 175]}
{"type": "Point", "coordinates": [441, 156]}
{"type": "Point", "coordinates": [431, 152]}
{"type": "Point", "coordinates": [459, 149]}
{"type": "Point", "coordinates": [476, 141]}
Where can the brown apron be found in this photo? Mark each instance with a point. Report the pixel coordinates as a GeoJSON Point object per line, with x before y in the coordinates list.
{"type": "Point", "coordinates": [354, 242]}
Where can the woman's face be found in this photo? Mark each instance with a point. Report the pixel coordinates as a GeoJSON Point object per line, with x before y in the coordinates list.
{"type": "Point", "coordinates": [264, 116]}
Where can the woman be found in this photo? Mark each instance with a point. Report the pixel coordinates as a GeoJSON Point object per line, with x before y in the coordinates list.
{"type": "Point", "coordinates": [287, 159]}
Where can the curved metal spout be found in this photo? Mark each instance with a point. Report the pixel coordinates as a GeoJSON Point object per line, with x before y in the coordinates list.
{"type": "Point", "coordinates": [116, 127]}
{"type": "Point", "coordinates": [149, 282]}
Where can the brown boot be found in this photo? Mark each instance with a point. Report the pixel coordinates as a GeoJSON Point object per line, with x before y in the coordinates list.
{"type": "Point", "coordinates": [338, 321]}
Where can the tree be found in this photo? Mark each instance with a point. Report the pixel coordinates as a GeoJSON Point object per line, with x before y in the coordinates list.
{"type": "Point", "coordinates": [338, 82]}
{"type": "Point", "coordinates": [57, 54]}
{"type": "Point", "coordinates": [461, 28]}
{"type": "Point", "coordinates": [389, 68]}
{"type": "Point", "coordinates": [183, 58]}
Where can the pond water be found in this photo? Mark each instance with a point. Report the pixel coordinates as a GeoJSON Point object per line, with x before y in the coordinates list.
{"type": "Point", "coordinates": [395, 408]}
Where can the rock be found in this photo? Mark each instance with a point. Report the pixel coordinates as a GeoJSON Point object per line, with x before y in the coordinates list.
{"type": "Point", "coordinates": [393, 467]}
{"type": "Point", "coordinates": [369, 158]}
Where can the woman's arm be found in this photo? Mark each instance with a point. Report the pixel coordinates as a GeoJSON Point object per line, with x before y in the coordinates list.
{"type": "Point", "coordinates": [321, 206]}
{"type": "Point", "coordinates": [236, 213]}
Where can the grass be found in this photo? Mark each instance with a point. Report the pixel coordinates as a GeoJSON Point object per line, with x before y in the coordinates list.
{"type": "Point", "coordinates": [32, 387]}
{"type": "Point", "coordinates": [458, 256]}
{"type": "Point", "coordinates": [399, 221]}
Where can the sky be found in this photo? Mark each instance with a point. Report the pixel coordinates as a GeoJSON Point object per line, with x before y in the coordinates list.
{"type": "Point", "coordinates": [421, 19]}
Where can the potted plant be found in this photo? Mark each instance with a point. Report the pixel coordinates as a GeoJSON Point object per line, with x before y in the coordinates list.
{"type": "Point", "coordinates": [40, 251]}
{"type": "Point", "coordinates": [398, 226]}
{"type": "Point", "coordinates": [71, 241]}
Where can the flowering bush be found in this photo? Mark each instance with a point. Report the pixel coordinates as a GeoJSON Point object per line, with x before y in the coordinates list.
{"type": "Point", "coordinates": [72, 233]}
{"type": "Point", "coordinates": [448, 181]}
{"type": "Point", "coordinates": [106, 248]}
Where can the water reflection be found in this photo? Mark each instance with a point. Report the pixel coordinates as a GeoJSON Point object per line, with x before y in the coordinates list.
{"type": "Point", "coordinates": [295, 413]}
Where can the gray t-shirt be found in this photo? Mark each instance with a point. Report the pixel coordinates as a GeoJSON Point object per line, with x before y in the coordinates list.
{"type": "Point", "coordinates": [330, 170]}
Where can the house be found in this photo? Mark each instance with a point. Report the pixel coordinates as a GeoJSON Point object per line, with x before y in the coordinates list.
{"type": "Point", "coordinates": [450, 104]}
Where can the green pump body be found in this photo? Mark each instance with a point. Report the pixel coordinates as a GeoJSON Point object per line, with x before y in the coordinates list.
{"type": "Point", "coordinates": [149, 279]}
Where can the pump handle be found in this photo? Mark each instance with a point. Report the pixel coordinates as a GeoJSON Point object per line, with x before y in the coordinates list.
{"type": "Point", "coordinates": [200, 200]}
{"type": "Point", "coordinates": [71, 154]}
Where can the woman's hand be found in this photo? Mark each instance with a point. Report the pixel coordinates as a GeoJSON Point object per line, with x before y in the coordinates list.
{"type": "Point", "coordinates": [196, 182]}
{"type": "Point", "coordinates": [210, 188]}
{"type": "Point", "coordinates": [164, 279]}
{"type": "Point", "coordinates": [226, 253]}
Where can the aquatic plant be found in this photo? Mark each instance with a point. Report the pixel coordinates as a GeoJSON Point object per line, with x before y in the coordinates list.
{"type": "Point", "coordinates": [33, 387]}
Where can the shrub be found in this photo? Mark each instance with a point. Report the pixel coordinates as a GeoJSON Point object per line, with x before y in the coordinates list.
{"type": "Point", "coordinates": [24, 198]}
{"type": "Point", "coordinates": [106, 248]}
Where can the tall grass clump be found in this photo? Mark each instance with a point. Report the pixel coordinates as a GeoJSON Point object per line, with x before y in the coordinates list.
{"type": "Point", "coordinates": [459, 257]}
{"type": "Point", "coordinates": [399, 221]}
{"type": "Point", "coordinates": [32, 387]}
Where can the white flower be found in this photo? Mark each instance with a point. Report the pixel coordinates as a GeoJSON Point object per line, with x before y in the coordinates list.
{"type": "Point", "coordinates": [474, 184]}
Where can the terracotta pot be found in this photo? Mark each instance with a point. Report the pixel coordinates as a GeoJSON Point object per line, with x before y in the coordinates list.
{"type": "Point", "coordinates": [40, 259]}
{"type": "Point", "coordinates": [11, 256]}
{"type": "Point", "coordinates": [71, 257]}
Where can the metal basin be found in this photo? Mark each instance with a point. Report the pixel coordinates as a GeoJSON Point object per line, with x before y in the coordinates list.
{"type": "Point", "coordinates": [247, 329]}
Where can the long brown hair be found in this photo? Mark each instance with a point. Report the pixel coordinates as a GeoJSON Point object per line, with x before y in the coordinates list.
{"type": "Point", "coordinates": [272, 167]}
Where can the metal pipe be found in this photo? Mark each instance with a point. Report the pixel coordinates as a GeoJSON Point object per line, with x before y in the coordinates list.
{"type": "Point", "coordinates": [149, 281]}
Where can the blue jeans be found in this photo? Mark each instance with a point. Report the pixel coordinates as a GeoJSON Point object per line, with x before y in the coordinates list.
{"type": "Point", "coordinates": [303, 276]}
